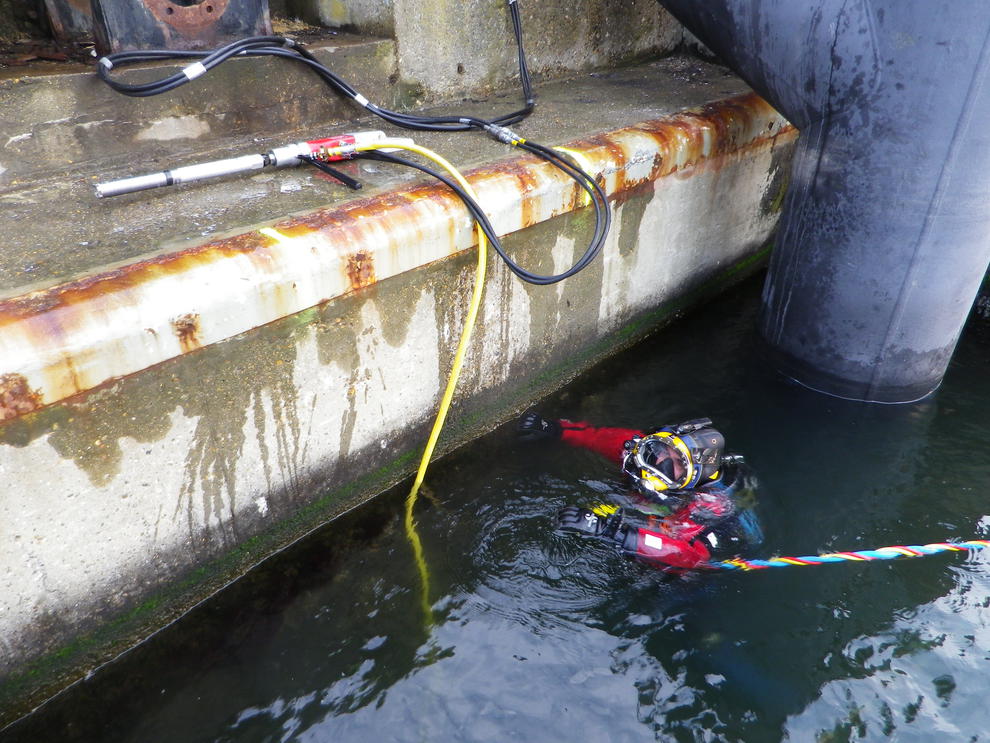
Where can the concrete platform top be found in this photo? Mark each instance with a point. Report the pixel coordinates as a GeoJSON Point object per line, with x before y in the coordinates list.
{"type": "Point", "coordinates": [56, 228]}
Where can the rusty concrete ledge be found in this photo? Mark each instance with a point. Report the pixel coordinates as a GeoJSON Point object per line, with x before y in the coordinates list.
{"type": "Point", "coordinates": [73, 337]}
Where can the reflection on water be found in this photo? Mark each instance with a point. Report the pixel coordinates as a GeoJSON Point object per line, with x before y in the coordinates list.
{"type": "Point", "coordinates": [542, 634]}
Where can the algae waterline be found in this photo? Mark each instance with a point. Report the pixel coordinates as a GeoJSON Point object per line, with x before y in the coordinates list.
{"type": "Point", "coordinates": [540, 634]}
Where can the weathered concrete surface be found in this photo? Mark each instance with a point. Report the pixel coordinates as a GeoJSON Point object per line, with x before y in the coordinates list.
{"type": "Point", "coordinates": [53, 203]}
{"type": "Point", "coordinates": [466, 47]}
{"type": "Point", "coordinates": [72, 337]}
{"type": "Point", "coordinates": [364, 16]}
{"type": "Point", "coordinates": [61, 121]}
{"type": "Point", "coordinates": [130, 501]}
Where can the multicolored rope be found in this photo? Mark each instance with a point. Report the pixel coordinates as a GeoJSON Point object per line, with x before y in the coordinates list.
{"type": "Point", "coordinates": [881, 553]}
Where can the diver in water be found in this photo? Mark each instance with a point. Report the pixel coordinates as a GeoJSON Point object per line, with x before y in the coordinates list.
{"type": "Point", "coordinates": [689, 504]}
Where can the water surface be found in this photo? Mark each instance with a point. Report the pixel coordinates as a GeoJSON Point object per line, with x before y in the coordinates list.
{"type": "Point", "coordinates": [541, 636]}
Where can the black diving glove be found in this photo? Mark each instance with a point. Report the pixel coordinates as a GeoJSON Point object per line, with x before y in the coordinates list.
{"type": "Point", "coordinates": [573, 518]}
{"type": "Point", "coordinates": [534, 427]}
{"type": "Point", "coordinates": [621, 526]}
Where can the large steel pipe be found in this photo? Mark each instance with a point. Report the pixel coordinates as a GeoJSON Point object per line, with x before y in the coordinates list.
{"type": "Point", "coordinates": [885, 233]}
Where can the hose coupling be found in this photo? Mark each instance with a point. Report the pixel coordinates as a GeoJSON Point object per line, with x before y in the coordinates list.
{"type": "Point", "coordinates": [503, 134]}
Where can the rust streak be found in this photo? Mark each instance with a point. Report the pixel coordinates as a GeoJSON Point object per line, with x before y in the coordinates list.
{"type": "Point", "coordinates": [186, 329]}
{"type": "Point", "coordinates": [528, 184]}
{"type": "Point", "coordinates": [360, 270]}
{"type": "Point", "coordinates": [127, 277]}
{"type": "Point", "coordinates": [728, 126]}
{"type": "Point", "coordinates": [617, 155]}
{"type": "Point", "coordinates": [17, 397]}
{"type": "Point", "coordinates": [187, 18]}
{"type": "Point", "coordinates": [398, 218]}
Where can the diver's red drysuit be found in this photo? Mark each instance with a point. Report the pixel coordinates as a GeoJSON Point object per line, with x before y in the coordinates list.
{"type": "Point", "coordinates": [689, 527]}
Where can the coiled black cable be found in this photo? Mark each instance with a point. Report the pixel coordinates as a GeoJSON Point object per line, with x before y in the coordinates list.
{"type": "Point", "coordinates": [601, 228]}
{"type": "Point", "coordinates": [278, 46]}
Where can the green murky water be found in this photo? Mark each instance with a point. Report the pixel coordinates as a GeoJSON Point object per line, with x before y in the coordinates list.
{"type": "Point", "coordinates": [544, 636]}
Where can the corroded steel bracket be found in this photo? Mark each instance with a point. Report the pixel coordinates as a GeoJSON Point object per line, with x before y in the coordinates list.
{"type": "Point", "coordinates": [176, 24]}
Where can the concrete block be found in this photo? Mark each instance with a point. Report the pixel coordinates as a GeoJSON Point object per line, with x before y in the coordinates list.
{"type": "Point", "coordinates": [452, 46]}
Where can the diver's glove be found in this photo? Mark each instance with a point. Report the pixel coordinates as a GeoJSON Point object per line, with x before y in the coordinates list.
{"type": "Point", "coordinates": [534, 427]}
{"type": "Point", "coordinates": [573, 518]}
{"type": "Point", "coordinates": [639, 536]}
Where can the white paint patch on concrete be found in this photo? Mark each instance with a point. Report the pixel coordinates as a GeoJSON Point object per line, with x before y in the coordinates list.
{"type": "Point", "coordinates": [175, 127]}
{"type": "Point", "coordinates": [18, 138]}
{"type": "Point", "coordinates": [323, 397]}
{"type": "Point", "coordinates": [91, 124]}
{"type": "Point", "coordinates": [519, 310]}
{"type": "Point", "coordinates": [620, 272]}
{"type": "Point", "coordinates": [563, 258]}
{"type": "Point", "coordinates": [502, 335]}
{"type": "Point", "coordinates": [341, 409]}
{"type": "Point", "coordinates": [72, 541]}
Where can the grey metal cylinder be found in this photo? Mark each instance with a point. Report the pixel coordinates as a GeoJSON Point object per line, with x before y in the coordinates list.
{"type": "Point", "coordinates": [884, 237]}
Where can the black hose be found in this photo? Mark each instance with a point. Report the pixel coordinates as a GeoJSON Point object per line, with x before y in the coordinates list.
{"type": "Point", "coordinates": [333, 172]}
{"type": "Point", "coordinates": [486, 226]}
{"type": "Point", "coordinates": [279, 46]}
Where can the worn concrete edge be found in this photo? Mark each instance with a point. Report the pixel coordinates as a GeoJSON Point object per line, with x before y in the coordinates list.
{"type": "Point", "coordinates": [98, 234]}
{"type": "Point", "coordinates": [50, 675]}
{"type": "Point", "coordinates": [79, 335]}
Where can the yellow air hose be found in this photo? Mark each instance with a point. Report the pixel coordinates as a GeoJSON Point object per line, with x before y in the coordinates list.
{"type": "Point", "coordinates": [455, 370]}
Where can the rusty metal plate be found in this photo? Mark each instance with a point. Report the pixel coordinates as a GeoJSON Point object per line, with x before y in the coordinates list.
{"type": "Point", "coordinates": [176, 24]}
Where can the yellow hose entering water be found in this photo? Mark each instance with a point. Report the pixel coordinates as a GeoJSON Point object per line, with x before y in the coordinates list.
{"type": "Point", "coordinates": [455, 370]}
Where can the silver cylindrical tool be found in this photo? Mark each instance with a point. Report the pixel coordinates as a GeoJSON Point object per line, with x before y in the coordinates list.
{"type": "Point", "coordinates": [280, 157]}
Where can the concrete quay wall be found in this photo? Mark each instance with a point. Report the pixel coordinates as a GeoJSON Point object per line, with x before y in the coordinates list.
{"type": "Point", "coordinates": [171, 420]}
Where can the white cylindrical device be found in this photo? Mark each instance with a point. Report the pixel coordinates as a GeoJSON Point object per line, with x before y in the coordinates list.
{"type": "Point", "coordinates": [184, 174]}
{"type": "Point", "coordinates": [279, 157]}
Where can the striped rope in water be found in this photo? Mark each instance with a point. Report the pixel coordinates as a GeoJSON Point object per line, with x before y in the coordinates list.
{"type": "Point", "coordinates": [881, 553]}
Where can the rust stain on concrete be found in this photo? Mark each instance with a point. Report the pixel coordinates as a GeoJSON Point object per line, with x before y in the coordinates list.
{"type": "Point", "coordinates": [67, 296]}
{"type": "Point", "coordinates": [186, 329]}
{"type": "Point", "coordinates": [17, 397]}
{"type": "Point", "coordinates": [681, 140]}
{"type": "Point", "coordinates": [403, 228]}
{"type": "Point", "coordinates": [360, 270]}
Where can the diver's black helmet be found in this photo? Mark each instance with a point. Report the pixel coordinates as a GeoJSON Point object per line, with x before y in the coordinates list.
{"type": "Point", "coordinates": [695, 444]}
